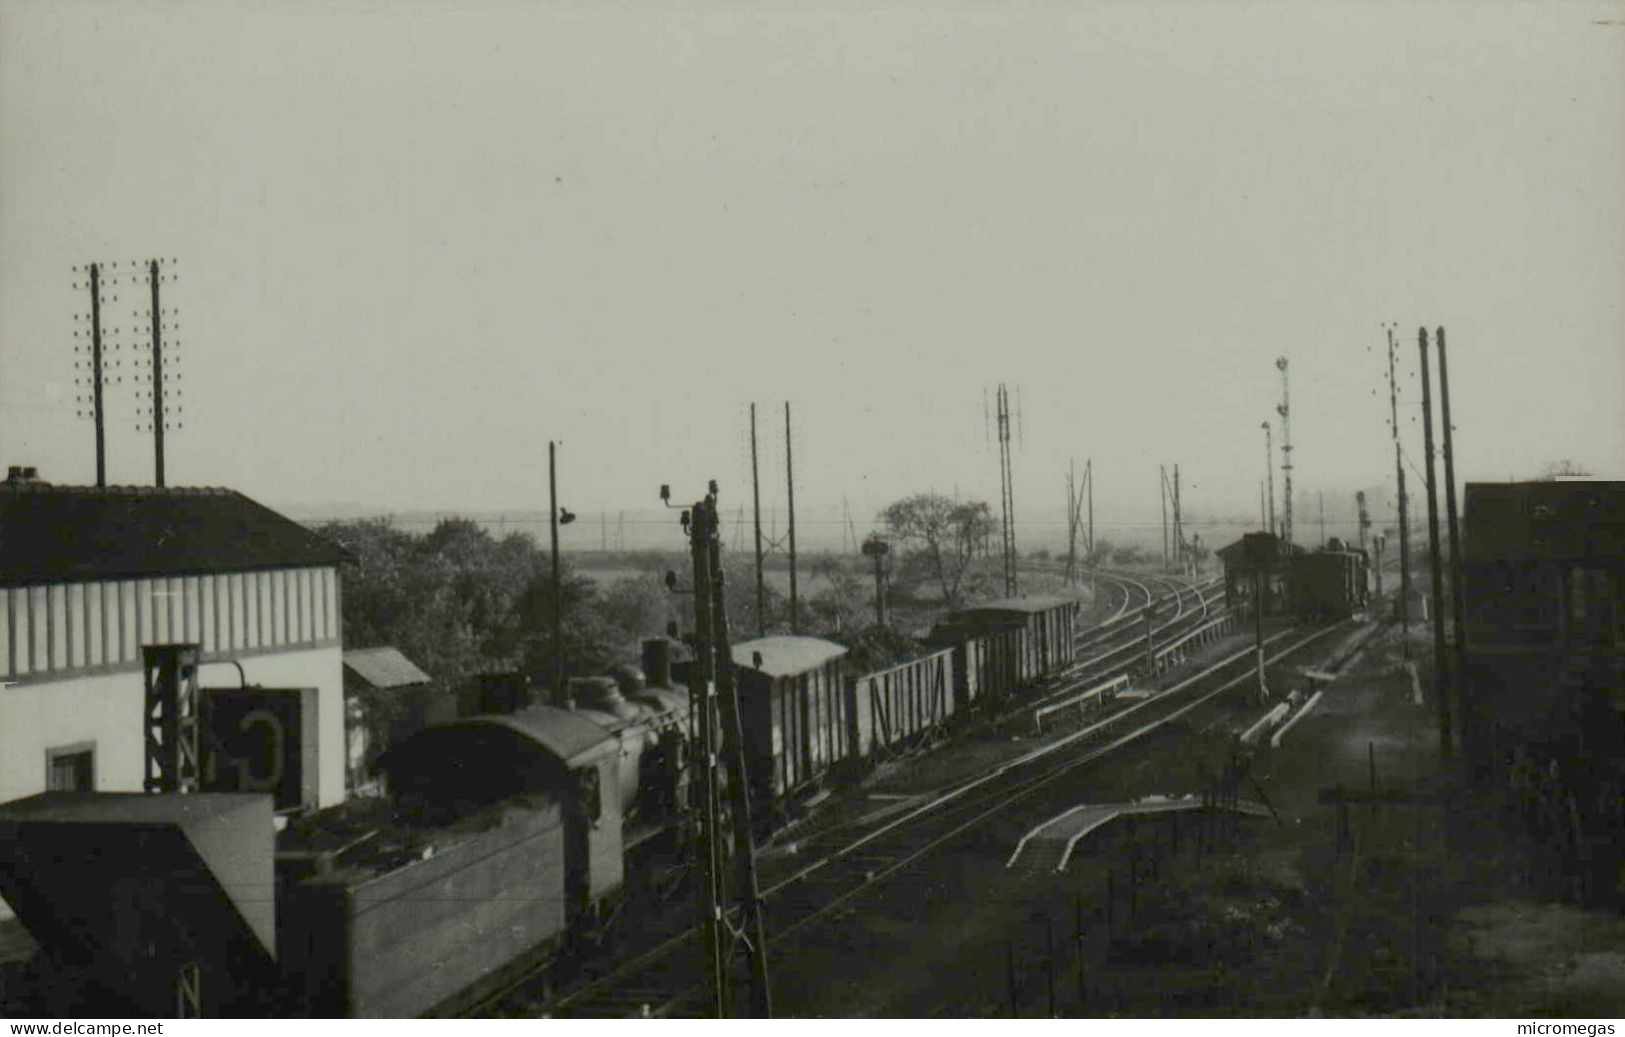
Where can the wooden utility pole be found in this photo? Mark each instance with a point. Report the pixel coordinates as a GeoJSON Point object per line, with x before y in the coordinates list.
{"type": "Point", "coordinates": [1456, 607]}
{"type": "Point", "coordinates": [1162, 491]}
{"type": "Point", "coordinates": [1404, 506]}
{"type": "Point", "coordinates": [1441, 680]}
{"type": "Point", "coordinates": [1179, 527]}
{"type": "Point", "coordinates": [96, 371]}
{"type": "Point", "coordinates": [1285, 410]}
{"type": "Point", "coordinates": [756, 505]}
{"type": "Point", "coordinates": [1089, 488]}
{"type": "Point", "coordinates": [1007, 499]}
{"type": "Point", "coordinates": [790, 481]}
{"type": "Point", "coordinates": [558, 595]}
{"type": "Point", "coordinates": [157, 377]}
{"type": "Point", "coordinates": [1269, 474]}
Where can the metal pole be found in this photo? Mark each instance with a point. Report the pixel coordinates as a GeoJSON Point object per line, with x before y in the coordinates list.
{"type": "Point", "coordinates": [752, 923]}
{"type": "Point", "coordinates": [1440, 665]}
{"type": "Point", "coordinates": [1071, 521]}
{"type": "Point", "coordinates": [558, 597]}
{"type": "Point", "coordinates": [1286, 453]}
{"type": "Point", "coordinates": [700, 702]}
{"type": "Point", "coordinates": [1456, 619]}
{"type": "Point", "coordinates": [1179, 527]}
{"type": "Point", "coordinates": [1089, 485]}
{"type": "Point", "coordinates": [756, 504]}
{"type": "Point", "coordinates": [96, 370]}
{"type": "Point", "coordinates": [157, 378]}
{"type": "Point", "coordinates": [1404, 506]}
{"type": "Point", "coordinates": [790, 480]}
{"type": "Point", "coordinates": [1269, 472]}
{"type": "Point", "coordinates": [1320, 496]}
{"type": "Point", "coordinates": [1162, 488]}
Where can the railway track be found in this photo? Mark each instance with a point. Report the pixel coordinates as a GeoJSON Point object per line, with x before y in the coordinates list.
{"type": "Point", "coordinates": [667, 978]}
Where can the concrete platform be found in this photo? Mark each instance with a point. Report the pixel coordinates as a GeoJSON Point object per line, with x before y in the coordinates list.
{"type": "Point", "coordinates": [1049, 846]}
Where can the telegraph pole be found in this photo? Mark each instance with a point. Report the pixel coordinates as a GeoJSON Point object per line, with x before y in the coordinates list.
{"type": "Point", "coordinates": [1453, 526]}
{"type": "Point", "coordinates": [1320, 497]}
{"type": "Point", "coordinates": [1441, 678]}
{"type": "Point", "coordinates": [1162, 490]}
{"type": "Point", "coordinates": [756, 499]}
{"type": "Point", "coordinates": [558, 598]}
{"type": "Point", "coordinates": [1071, 522]}
{"type": "Point", "coordinates": [790, 482]}
{"type": "Point", "coordinates": [1404, 505]}
{"type": "Point", "coordinates": [96, 371]}
{"type": "Point", "coordinates": [157, 377]}
{"type": "Point", "coordinates": [1285, 410]}
{"type": "Point", "coordinates": [1007, 498]}
{"type": "Point", "coordinates": [1179, 526]}
{"type": "Point", "coordinates": [1269, 472]}
{"type": "Point", "coordinates": [1089, 486]}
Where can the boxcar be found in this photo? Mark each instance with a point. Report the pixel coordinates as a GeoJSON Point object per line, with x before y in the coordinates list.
{"type": "Point", "coordinates": [1328, 584]}
{"type": "Point", "coordinates": [986, 658]}
{"type": "Point", "coordinates": [890, 708]}
{"type": "Point", "coordinates": [793, 708]}
{"type": "Point", "coordinates": [1047, 625]}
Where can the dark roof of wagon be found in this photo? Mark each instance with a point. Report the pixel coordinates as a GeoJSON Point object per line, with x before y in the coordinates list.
{"type": "Point", "coordinates": [1022, 606]}
{"type": "Point", "coordinates": [55, 533]}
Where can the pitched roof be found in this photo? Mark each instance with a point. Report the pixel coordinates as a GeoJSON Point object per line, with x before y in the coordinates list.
{"type": "Point", "coordinates": [50, 533]}
{"type": "Point", "coordinates": [383, 667]}
{"type": "Point", "coordinates": [786, 656]}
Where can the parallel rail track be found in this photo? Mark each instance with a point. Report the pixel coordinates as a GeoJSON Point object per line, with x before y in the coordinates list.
{"type": "Point", "coordinates": [667, 977]}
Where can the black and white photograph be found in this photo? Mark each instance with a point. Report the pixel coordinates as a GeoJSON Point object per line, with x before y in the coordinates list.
{"type": "Point", "coordinates": [812, 509]}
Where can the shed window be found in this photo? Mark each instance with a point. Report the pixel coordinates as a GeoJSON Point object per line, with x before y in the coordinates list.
{"type": "Point", "coordinates": [71, 768]}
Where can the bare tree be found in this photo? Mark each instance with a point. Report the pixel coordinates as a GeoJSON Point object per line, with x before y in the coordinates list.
{"type": "Point", "coordinates": [939, 535]}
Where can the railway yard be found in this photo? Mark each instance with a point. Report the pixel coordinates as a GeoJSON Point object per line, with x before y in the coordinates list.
{"type": "Point", "coordinates": [554, 571]}
{"type": "Point", "coordinates": [919, 856]}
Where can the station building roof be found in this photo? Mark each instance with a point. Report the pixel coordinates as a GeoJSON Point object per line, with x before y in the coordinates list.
{"type": "Point", "coordinates": [383, 667]}
{"type": "Point", "coordinates": [52, 533]}
{"type": "Point", "coordinates": [785, 655]}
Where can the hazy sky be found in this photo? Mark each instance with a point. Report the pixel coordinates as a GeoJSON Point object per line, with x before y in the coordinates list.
{"type": "Point", "coordinates": [415, 241]}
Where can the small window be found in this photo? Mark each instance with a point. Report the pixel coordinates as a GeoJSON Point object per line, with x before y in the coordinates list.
{"type": "Point", "coordinates": [71, 768]}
